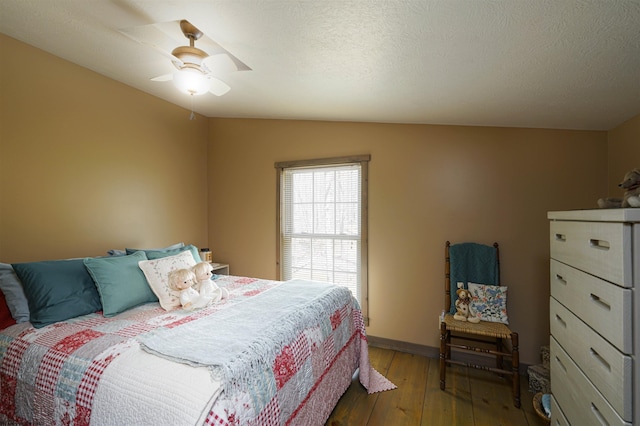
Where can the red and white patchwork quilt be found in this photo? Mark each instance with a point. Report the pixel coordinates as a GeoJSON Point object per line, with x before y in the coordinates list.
{"type": "Point", "coordinates": [92, 370]}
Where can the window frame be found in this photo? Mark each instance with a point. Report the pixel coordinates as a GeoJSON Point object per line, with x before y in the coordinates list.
{"type": "Point", "coordinates": [363, 161]}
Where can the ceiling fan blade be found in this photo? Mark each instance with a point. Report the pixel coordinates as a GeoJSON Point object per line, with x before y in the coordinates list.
{"type": "Point", "coordinates": [219, 64]}
{"type": "Point", "coordinates": [214, 49]}
{"type": "Point", "coordinates": [240, 66]}
{"type": "Point", "coordinates": [163, 77]}
{"type": "Point", "coordinates": [154, 36]}
{"type": "Point", "coordinates": [218, 87]}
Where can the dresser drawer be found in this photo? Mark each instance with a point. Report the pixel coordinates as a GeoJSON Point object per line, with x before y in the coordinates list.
{"type": "Point", "coordinates": [599, 248]}
{"type": "Point", "coordinates": [557, 416]}
{"type": "Point", "coordinates": [607, 368]}
{"type": "Point", "coordinates": [605, 307]}
{"type": "Point", "coordinates": [581, 402]}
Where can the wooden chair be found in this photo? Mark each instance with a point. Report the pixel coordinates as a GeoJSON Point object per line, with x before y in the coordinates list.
{"type": "Point", "coordinates": [484, 337]}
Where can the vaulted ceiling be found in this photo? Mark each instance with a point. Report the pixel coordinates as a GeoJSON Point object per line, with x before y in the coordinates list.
{"type": "Point", "coordinates": [572, 64]}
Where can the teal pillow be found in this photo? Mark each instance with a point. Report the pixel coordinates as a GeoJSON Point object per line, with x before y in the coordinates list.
{"type": "Point", "coordinates": [158, 254]}
{"type": "Point", "coordinates": [133, 250]}
{"type": "Point", "coordinates": [57, 290]}
{"type": "Point", "coordinates": [120, 282]}
{"type": "Point", "coordinates": [118, 252]}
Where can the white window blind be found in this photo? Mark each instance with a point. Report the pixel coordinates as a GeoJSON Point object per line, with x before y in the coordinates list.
{"type": "Point", "coordinates": [321, 228]}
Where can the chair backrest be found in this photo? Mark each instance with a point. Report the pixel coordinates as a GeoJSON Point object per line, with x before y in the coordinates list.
{"type": "Point", "coordinates": [473, 262]}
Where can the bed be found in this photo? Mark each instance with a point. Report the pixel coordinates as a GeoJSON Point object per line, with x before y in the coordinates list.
{"type": "Point", "coordinates": [271, 353]}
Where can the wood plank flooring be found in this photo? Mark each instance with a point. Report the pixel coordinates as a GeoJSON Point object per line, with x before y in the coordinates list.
{"type": "Point", "coordinates": [472, 397]}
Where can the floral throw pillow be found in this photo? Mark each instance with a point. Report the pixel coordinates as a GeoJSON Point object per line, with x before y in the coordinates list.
{"type": "Point", "coordinates": [489, 302]}
{"type": "Point", "coordinates": [157, 273]}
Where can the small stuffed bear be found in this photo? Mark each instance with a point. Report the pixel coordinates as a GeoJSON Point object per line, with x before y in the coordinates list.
{"type": "Point", "coordinates": [463, 313]}
{"type": "Point", "coordinates": [631, 198]}
{"type": "Point", "coordinates": [182, 281]}
{"type": "Point", "coordinates": [203, 272]}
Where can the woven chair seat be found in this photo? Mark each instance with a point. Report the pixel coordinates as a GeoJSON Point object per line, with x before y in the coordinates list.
{"type": "Point", "coordinates": [483, 328]}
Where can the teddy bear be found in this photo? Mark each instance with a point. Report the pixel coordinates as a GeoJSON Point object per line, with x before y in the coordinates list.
{"type": "Point", "coordinates": [463, 312]}
{"type": "Point", "coordinates": [182, 281]}
{"type": "Point", "coordinates": [206, 287]}
{"type": "Point", "coordinates": [631, 198]}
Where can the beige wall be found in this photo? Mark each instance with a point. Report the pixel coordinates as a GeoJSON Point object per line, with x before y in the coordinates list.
{"type": "Point", "coordinates": [623, 154]}
{"type": "Point", "coordinates": [88, 164]}
{"type": "Point", "coordinates": [427, 184]}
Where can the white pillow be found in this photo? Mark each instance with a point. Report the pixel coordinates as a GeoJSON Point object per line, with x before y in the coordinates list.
{"type": "Point", "coordinates": [489, 302]}
{"type": "Point", "coordinates": [157, 273]}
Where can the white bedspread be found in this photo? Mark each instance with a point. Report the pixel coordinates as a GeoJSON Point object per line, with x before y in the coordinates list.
{"type": "Point", "coordinates": [165, 392]}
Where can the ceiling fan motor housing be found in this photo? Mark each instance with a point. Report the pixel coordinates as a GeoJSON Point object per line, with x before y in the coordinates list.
{"type": "Point", "coordinates": [189, 55]}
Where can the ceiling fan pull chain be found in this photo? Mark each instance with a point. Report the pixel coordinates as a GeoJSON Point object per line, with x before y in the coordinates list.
{"type": "Point", "coordinates": [192, 116]}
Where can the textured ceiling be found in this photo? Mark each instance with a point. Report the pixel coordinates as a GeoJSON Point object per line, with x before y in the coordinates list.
{"type": "Point", "coordinates": [572, 64]}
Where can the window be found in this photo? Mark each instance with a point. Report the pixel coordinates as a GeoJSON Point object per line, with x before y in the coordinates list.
{"type": "Point", "coordinates": [322, 222]}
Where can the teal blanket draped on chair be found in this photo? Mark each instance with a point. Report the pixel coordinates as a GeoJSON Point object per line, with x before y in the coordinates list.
{"type": "Point", "coordinates": [472, 262]}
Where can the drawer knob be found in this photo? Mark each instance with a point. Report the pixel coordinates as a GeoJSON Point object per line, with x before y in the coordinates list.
{"type": "Point", "coordinates": [600, 302]}
{"type": "Point", "coordinates": [561, 237]}
{"type": "Point", "coordinates": [602, 361]}
{"type": "Point", "coordinates": [561, 279]}
{"type": "Point", "coordinates": [599, 244]}
{"type": "Point", "coordinates": [561, 321]}
{"type": "Point", "coordinates": [561, 364]}
{"type": "Point", "coordinates": [599, 415]}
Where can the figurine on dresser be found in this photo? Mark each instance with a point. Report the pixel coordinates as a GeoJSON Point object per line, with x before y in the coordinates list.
{"type": "Point", "coordinates": [631, 198]}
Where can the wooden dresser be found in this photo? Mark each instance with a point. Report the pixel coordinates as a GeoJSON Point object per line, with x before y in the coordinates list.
{"type": "Point", "coordinates": [594, 320]}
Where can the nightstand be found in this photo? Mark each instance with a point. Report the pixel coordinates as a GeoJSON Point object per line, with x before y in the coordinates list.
{"type": "Point", "coordinates": [220, 268]}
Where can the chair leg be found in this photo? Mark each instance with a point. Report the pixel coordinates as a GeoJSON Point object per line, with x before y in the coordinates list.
{"type": "Point", "coordinates": [499, 348]}
{"type": "Point", "coordinates": [443, 354]}
{"type": "Point", "coordinates": [515, 363]}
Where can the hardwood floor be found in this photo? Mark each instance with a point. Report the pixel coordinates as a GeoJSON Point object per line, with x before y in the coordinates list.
{"type": "Point", "coordinates": [472, 397]}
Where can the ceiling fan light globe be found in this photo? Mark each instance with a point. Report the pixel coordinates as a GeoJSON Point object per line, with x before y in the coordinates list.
{"type": "Point", "coordinates": [191, 82]}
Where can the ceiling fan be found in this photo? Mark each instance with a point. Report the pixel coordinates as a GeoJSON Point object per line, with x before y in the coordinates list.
{"type": "Point", "coordinates": [195, 67]}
